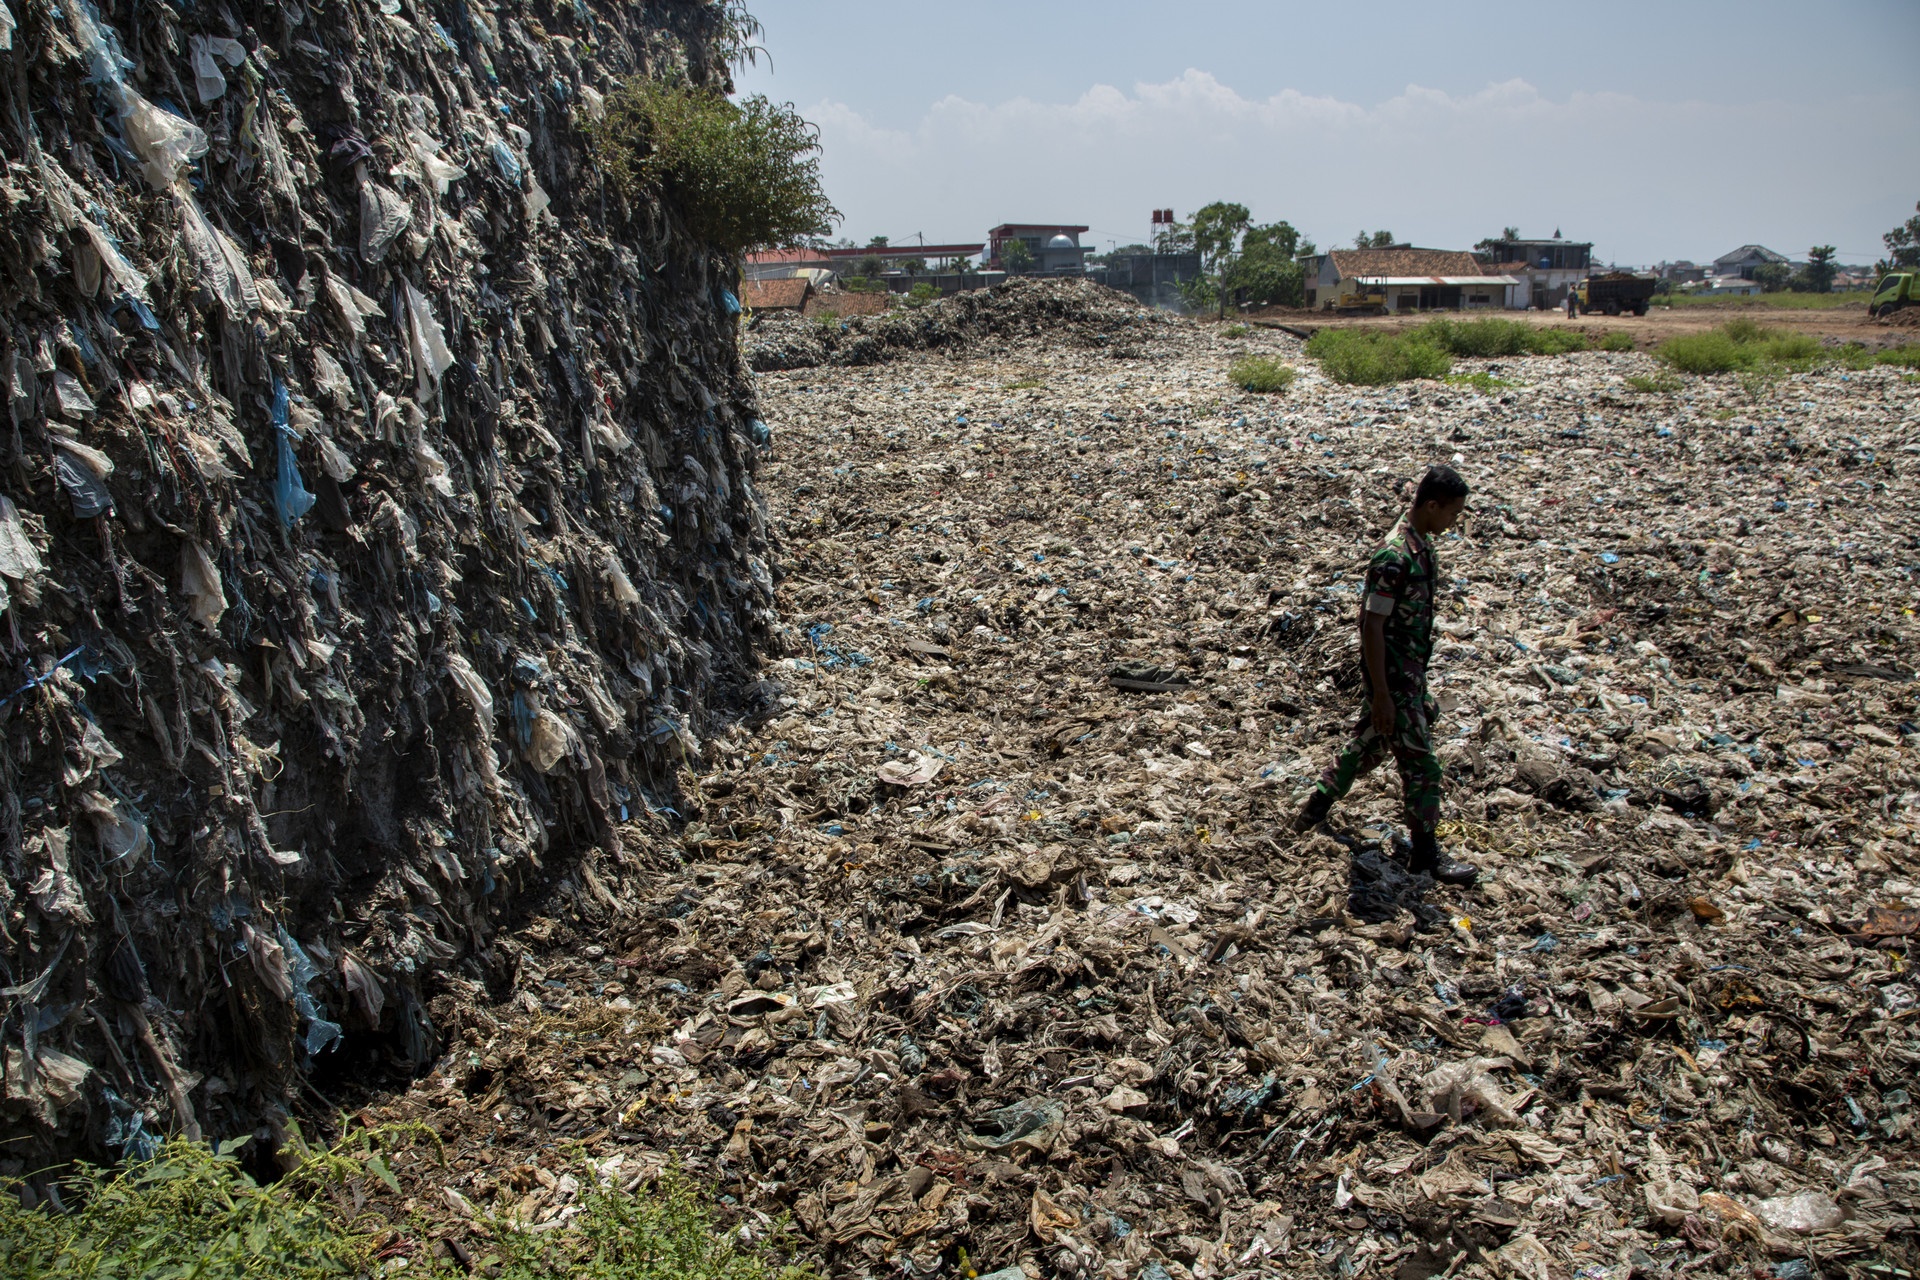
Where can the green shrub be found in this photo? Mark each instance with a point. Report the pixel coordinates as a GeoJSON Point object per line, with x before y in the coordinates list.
{"type": "Point", "coordinates": [921, 294]}
{"type": "Point", "coordinates": [190, 1211]}
{"type": "Point", "coordinates": [1854, 355]}
{"type": "Point", "coordinates": [1558, 341]}
{"type": "Point", "coordinates": [743, 176]}
{"type": "Point", "coordinates": [1741, 345]}
{"type": "Point", "coordinates": [1368, 357]}
{"type": "Point", "coordinates": [193, 1211]}
{"type": "Point", "coordinates": [663, 1234]}
{"type": "Point", "coordinates": [1484, 338]}
{"type": "Point", "coordinates": [1658, 382]}
{"type": "Point", "coordinates": [1616, 341]}
{"type": "Point", "coordinates": [1710, 352]}
{"type": "Point", "coordinates": [1492, 336]}
{"type": "Point", "coordinates": [1904, 357]}
{"type": "Point", "coordinates": [1235, 331]}
{"type": "Point", "coordinates": [1260, 373]}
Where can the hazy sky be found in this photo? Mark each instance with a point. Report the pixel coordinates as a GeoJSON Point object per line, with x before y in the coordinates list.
{"type": "Point", "coordinates": [1678, 129]}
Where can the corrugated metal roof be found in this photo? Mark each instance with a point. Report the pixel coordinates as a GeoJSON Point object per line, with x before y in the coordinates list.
{"type": "Point", "coordinates": [1426, 280]}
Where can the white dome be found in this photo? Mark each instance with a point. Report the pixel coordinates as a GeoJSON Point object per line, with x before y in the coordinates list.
{"type": "Point", "coordinates": [1060, 242]}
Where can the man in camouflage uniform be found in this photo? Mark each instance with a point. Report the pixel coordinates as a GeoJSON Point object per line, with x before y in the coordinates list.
{"type": "Point", "coordinates": [1396, 640]}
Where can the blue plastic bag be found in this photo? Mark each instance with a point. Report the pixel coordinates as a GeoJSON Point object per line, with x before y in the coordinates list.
{"type": "Point", "coordinates": [290, 497]}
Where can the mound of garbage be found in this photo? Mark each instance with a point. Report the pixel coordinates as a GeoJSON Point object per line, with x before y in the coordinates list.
{"type": "Point", "coordinates": [996, 937]}
{"type": "Point", "coordinates": [1074, 312]}
{"type": "Point", "coordinates": [377, 528]}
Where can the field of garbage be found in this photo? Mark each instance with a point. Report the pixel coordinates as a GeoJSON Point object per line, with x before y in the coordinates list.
{"type": "Point", "coordinates": [983, 946]}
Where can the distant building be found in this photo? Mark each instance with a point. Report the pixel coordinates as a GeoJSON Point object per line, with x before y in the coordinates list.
{"type": "Point", "coordinates": [1153, 278]}
{"type": "Point", "coordinates": [1546, 269]}
{"type": "Point", "coordinates": [1411, 279]}
{"type": "Point", "coordinates": [1728, 286]}
{"type": "Point", "coordinates": [1681, 272]}
{"type": "Point", "coordinates": [1742, 261]}
{"type": "Point", "coordinates": [1056, 248]}
{"type": "Point", "coordinates": [780, 264]}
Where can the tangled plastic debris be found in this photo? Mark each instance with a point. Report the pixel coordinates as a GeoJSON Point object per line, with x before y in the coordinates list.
{"type": "Point", "coordinates": [1067, 637]}
{"type": "Point", "coordinates": [343, 607]}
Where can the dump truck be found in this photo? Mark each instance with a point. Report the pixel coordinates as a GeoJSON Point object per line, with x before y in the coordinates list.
{"type": "Point", "coordinates": [1613, 293]}
{"type": "Point", "coordinates": [1897, 290]}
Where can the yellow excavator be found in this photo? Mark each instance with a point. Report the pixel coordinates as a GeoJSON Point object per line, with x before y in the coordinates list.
{"type": "Point", "coordinates": [1366, 300]}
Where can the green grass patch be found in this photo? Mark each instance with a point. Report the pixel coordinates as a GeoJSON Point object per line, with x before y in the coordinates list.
{"type": "Point", "coordinates": [1260, 373]}
{"type": "Point", "coordinates": [1025, 384]}
{"type": "Point", "coordinates": [1739, 346]}
{"type": "Point", "coordinates": [193, 1211]}
{"type": "Point", "coordinates": [1375, 357]}
{"type": "Point", "coordinates": [1235, 331]}
{"type": "Point", "coordinates": [1655, 382]}
{"type": "Point", "coordinates": [1615, 340]}
{"type": "Point", "coordinates": [1558, 341]}
{"type": "Point", "coordinates": [1903, 357]}
{"type": "Point", "coordinates": [1492, 336]}
{"type": "Point", "coordinates": [1481, 381]}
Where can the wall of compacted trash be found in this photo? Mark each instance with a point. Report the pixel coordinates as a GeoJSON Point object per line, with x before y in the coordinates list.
{"type": "Point", "coordinates": [993, 953]}
{"type": "Point", "coordinates": [377, 519]}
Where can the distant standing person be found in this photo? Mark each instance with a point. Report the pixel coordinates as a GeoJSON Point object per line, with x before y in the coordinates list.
{"type": "Point", "coordinates": [1396, 641]}
{"type": "Point", "coordinates": [1571, 300]}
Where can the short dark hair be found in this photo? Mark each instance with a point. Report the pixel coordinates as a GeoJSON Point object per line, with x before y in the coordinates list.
{"type": "Point", "coordinates": [1441, 484]}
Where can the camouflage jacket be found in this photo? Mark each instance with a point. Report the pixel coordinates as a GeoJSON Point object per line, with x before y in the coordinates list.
{"type": "Point", "coordinates": [1402, 579]}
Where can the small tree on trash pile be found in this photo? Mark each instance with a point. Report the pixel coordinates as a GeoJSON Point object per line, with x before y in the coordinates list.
{"type": "Point", "coordinates": [744, 175]}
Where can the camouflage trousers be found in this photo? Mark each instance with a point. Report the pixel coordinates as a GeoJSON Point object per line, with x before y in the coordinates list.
{"type": "Point", "coordinates": [1411, 745]}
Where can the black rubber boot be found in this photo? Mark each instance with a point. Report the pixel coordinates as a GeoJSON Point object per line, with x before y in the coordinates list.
{"type": "Point", "coordinates": [1313, 812]}
{"type": "Point", "coordinates": [1430, 858]}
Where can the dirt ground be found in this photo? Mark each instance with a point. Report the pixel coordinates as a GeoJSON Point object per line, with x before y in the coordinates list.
{"type": "Point", "coordinates": [988, 943]}
{"type": "Point", "coordinates": [1839, 324]}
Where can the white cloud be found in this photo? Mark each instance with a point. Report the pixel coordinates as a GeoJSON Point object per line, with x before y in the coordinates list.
{"type": "Point", "coordinates": [1643, 179]}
